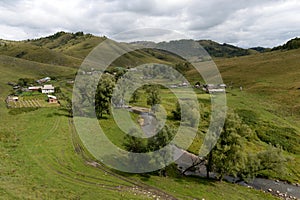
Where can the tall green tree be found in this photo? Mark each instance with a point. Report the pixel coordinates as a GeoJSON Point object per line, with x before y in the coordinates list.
{"type": "Point", "coordinates": [103, 95]}
{"type": "Point", "coordinates": [153, 97]}
{"type": "Point", "coordinates": [227, 157]}
{"type": "Point", "coordinates": [135, 144]}
{"type": "Point", "coordinates": [135, 96]}
{"type": "Point", "coordinates": [177, 112]}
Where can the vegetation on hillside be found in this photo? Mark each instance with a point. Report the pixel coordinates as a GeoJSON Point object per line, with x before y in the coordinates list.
{"type": "Point", "coordinates": [43, 158]}
{"type": "Point", "coordinates": [222, 50]}
{"type": "Point", "coordinates": [291, 44]}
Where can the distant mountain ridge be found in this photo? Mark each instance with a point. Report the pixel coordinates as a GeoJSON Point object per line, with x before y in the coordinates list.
{"type": "Point", "coordinates": [69, 49]}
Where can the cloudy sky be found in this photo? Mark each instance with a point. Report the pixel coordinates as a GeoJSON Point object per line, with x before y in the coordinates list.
{"type": "Point", "coordinates": [245, 23]}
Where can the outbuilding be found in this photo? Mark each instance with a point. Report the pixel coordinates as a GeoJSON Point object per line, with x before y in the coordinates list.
{"type": "Point", "coordinates": [52, 99]}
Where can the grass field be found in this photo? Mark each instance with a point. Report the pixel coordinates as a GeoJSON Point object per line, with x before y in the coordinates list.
{"type": "Point", "coordinates": [43, 158]}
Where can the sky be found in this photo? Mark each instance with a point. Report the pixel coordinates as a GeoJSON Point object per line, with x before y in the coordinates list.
{"type": "Point", "coordinates": [245, 23]}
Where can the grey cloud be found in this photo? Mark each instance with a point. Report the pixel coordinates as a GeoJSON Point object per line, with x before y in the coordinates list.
{"type": "Point", "coordinates": [246, 22]}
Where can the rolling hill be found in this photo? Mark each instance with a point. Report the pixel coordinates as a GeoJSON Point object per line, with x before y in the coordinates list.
{"type": "Point", "coordinates": [289, 45]}
{"type": "Point", "coordinates": [43, 158]}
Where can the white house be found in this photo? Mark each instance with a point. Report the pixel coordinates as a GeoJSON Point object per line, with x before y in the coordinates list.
{"type": "Point", "coordinates": [52, 99]}
{"type": "Point", "coordinates": [47, 89]}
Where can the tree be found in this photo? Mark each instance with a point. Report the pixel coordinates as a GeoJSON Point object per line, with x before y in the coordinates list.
{"type": "Point", "coordinates": [187, 112]}
{"type": "Point", "coordinates": [177, 112]}
{"type": "Point", "coordinates": [161, 139]}
{"type": "Point", "coordinates": [227, 157]}
{"type": "Point", "coordinates": [160, 142]}
{"type": "Point", "coordinates": [135, 96]}
{"type": "Point", "coordinates": [103, 95]}
{"type": "Point", "coordinates": [24, 82]}
{"type": "Point", "coordinates": [57, 90]}
{"type": "Point", "coordinates": [153, 97]}
{"type": "Point", "coordinates": [270, 160]}
{"type": "Point", "coordinates": [135, 144]}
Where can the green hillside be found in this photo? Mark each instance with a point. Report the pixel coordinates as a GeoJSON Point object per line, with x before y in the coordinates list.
{"type": "Point", "coordinates": [77, 44]}
{"type": "Point", "coordinates": [274, 76]}
{"type": "Point", "coordinates": [37, 53]}
{"type": "Point", "coordinates": [223, 50]}
{"type": "Point", "coordinates": [291, 44]}
{"type": "Point", "coordinates": [43, 158]}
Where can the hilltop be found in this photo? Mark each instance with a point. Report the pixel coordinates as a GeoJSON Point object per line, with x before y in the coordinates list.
{"type": "Point", "coordinates": [289, 45]}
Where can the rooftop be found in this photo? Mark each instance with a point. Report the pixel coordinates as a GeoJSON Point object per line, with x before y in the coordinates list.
{"type": "Point", "coordinates": [48, 87]}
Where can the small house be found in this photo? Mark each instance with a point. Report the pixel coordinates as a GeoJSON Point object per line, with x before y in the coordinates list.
{"type": "Point", "coordinates": [12, 98]}
{"type": "Point", "coordinates": [52, 99]}
{"type": "Point", "coordinates": [47, 89]}
{"type": "Point", "coordinates": [222, 85]}
{"type": "Point", "coordinates": [35, 88]}
{"type": "Point", "coordinates": [44, 80]}
{"type": "Point", "coordinates": [212, 88]}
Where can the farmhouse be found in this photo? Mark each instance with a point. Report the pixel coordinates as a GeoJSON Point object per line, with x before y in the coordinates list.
{"type": "Point", "coordinates": [47, 89]}
{"type": "Point", "coordinates": [35, 88]}
{"type": "Point", "coordinates": [52, 99]}
{"type": "Point", "coordinates": [212, 88]}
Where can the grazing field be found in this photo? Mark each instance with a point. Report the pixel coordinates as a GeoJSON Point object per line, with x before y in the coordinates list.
{"type": "Point", "coordinates": [42, 156]}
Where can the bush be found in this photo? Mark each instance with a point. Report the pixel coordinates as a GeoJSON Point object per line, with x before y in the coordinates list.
{"type": "Point", "coordinates": [248, 117]}
{"type": "Point", "coordinates": [282, 136]}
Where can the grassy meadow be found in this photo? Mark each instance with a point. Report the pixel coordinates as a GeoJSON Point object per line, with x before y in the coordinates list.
{"type": "Point", "coordinates": [42, 156]}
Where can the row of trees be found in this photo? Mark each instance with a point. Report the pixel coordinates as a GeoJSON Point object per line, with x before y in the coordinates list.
{"type": "Point", "coordinates": [229, 156]}
{"type": "Point", "coordinates": [104, 95]}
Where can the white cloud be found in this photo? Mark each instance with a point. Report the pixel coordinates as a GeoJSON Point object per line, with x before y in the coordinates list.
{"type": "Point", "coordinates": [244, 23]}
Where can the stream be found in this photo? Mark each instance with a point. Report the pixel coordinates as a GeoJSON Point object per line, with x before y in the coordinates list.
{"type": "Point", "coordinates": [275, 187]}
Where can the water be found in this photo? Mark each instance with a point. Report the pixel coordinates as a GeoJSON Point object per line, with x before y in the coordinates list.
{"type": "Point", "coordinates": [277, 188]}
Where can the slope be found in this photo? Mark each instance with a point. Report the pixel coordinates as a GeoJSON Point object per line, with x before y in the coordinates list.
{"type": "Point", "coordinates": [37, 53]}
{"type": "Point", "coordinates": [77, 45]}
{"type": "Point", "coordinates": [41, 157]}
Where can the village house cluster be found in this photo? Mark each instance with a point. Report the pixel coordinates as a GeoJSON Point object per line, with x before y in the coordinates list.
{"type": "Point", "coordinates": [42, 87]}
